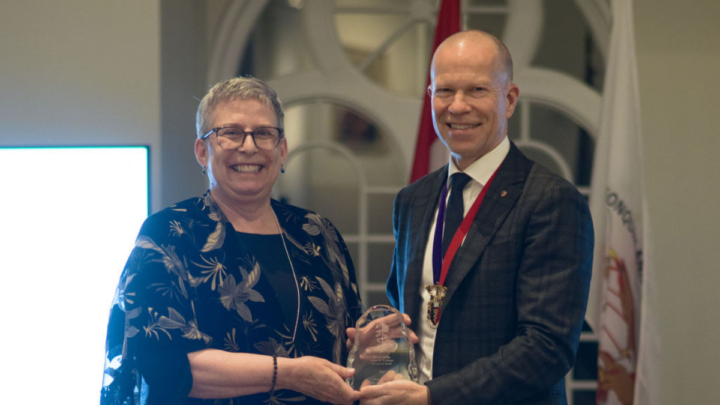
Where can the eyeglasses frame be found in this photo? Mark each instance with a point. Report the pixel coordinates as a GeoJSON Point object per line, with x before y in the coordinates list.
{"type": "Point", "coordinates": [245, 134]}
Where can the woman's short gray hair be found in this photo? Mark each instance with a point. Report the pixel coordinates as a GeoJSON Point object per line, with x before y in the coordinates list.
{"type": "Point", "coordinates": [238, 88]}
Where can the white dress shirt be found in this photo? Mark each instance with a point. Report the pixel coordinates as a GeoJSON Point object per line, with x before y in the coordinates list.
{"type": "Point", "coordinates": [480, 172]}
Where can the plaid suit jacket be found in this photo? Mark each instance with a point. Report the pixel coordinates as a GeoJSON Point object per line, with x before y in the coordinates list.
{"type": "Point", "coordinates": [517, 288]}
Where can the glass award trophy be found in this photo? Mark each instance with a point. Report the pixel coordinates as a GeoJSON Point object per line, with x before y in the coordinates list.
{"type": "Point", "coordinates": [382, 350]}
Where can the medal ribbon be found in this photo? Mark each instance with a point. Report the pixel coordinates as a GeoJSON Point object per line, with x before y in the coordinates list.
{"type": "Point", "coordinates": [441, 265]}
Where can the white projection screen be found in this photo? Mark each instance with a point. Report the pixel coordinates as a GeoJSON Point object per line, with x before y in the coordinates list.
{"type": "Point", "coordinates": [68, 221]}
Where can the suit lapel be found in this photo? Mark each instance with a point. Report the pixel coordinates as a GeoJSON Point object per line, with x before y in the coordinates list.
{"type": "Point", "coordinates": [499, 200]}
{"type": "Point", "coordinates": [422, 218]}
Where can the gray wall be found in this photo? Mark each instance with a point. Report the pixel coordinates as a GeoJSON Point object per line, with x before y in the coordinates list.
{"type": "Point", "coordinates": [678, 45]}
{"type": "Point", "coordinates": [182, 85]}
{"type": "Point", "coordinates": [81, 72]}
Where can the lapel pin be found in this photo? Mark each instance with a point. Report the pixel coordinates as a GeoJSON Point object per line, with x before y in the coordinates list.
{"type": "Point", "coordinates": [503, 194]}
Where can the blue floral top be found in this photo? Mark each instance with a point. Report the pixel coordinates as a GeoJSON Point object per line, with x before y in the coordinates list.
{"type": "Point", "coordinates": [190, 284]}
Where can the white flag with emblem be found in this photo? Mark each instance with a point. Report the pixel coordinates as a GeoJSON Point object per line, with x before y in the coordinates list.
{"type": "Point", "coordinates": [622, 306]}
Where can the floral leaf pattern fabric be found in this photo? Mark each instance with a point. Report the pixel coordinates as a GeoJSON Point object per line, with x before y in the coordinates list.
{"type": "Point", "coordinates": [319, 226]}
{"type": "Point", "coordinates": [190, 284]}
{"type": "Point", "coordinates": [234, 295]}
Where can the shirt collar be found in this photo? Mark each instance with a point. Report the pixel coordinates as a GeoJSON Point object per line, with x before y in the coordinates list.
{"type": "Point", "coordinates": [482, 169]}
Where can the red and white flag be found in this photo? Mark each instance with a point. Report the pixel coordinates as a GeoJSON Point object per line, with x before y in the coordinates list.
{"type": "Point", "coordinates": [622, 307]}
{"type": "Point", "coordinates": [448, 23]}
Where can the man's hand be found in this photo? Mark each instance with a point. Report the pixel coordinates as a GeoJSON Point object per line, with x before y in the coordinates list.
{"type": "Point", "coordinates": [394, 392]}
{"type": "Point", "coordinates": [317, 378]}
{"type": "Point", "coordinates": [391, 321]}
{"type": "Point", "coordinates": [389, 376]}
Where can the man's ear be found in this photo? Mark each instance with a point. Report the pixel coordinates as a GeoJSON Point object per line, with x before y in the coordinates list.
{"type": "Point", "coordinates": [512, 95]}
{"type": "Point", "coordinates": [429, 91]}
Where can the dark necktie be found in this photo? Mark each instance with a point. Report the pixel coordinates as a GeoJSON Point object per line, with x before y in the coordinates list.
{"type": "Point", "coordinates": [454, 210]}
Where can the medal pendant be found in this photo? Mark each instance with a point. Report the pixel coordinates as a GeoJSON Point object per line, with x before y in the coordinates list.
{"type": "Point", "coordinates": [437, 296]}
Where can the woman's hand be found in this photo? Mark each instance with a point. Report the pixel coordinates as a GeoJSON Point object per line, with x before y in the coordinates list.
{"type": "Point", "coordinates": [316, 378]}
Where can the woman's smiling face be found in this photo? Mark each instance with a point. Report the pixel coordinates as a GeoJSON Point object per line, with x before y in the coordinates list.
{"type": "Point", "coordinates": [247, 173]}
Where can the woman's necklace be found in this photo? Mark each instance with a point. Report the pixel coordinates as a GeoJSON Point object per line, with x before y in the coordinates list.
{"type": "Point", "coordinates": [297, 286]}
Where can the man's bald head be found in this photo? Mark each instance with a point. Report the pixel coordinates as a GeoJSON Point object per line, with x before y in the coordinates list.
{"type": "Point", "coordinates": [467, 41]}
{"type": "Point", "coordinates": [472, 93]}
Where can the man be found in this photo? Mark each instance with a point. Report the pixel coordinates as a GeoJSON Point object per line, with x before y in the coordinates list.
{"type": "Point", "coordinates": [504, 324]}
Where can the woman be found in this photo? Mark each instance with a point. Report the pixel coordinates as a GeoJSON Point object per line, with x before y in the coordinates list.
{"type": "Point", "coordinates": [233, 295]}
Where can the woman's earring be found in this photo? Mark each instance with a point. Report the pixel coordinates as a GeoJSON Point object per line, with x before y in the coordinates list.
{"type": "Point", "coordinates": [204, 170]}
{"type": "Point", "coordinates": [282, 168]}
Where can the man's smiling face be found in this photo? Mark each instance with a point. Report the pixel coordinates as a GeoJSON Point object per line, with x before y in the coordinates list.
{"type": "Point", "coordinates": [472, 99]}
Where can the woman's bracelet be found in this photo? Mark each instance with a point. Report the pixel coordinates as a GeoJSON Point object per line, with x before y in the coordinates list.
{"type": "Point", "coordinates": [274, 380]}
